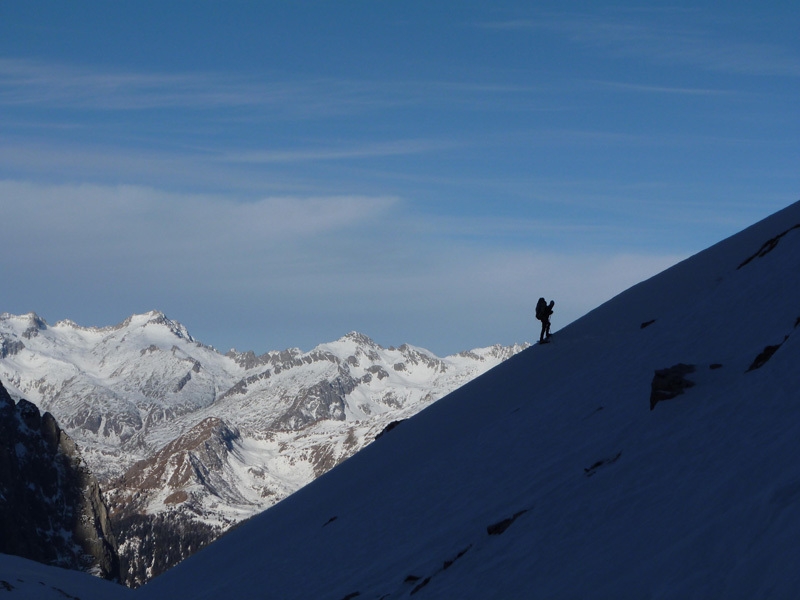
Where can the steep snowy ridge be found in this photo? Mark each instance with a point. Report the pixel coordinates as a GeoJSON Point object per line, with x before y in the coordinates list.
{"type": "Point", "coordinates": [554, 476]}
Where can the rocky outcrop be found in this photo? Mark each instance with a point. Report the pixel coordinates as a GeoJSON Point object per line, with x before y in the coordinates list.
{"type": "Point", "coordinates": [669, 383]}
{"type": "Point", "coordinates": [769, 351]}
{"type": "Point", "coordinates": [764, 356]}
{"type": "Point", "coordinates": [603, 462]}
{"type": "Point", "coordinates": [322, 401]}
{"type": "Point", "coordinates": [185, 461]}
{"type": "Point", "coordinates": [178, 475]}
{"type": "Point", "coordinates": [9, 347]}
{"type": "Point", "coordinates": [767, 246]}
{"type": "Point", "coordinates": [51, 509]}
{"type": "Point", "coordinates": [500, 527]}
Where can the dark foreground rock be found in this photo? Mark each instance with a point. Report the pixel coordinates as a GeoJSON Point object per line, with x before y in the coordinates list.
{"type": "Point", "coordinates": [669, 383]}
{"type": "Point", "coordinates": [51, 509]}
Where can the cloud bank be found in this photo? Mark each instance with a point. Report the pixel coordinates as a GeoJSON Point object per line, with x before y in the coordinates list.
{"type": "Point", "coordinates": [338, 263]}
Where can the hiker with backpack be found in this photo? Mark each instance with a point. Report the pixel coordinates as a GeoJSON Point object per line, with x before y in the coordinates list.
{"type": "Point", "coordinates": [543, 312]}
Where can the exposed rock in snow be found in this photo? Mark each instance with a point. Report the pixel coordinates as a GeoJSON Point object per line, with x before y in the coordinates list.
{"type": "Point", "coordinates": [768, 246]}
{"type": "Point", "coordinates": [671, 382]}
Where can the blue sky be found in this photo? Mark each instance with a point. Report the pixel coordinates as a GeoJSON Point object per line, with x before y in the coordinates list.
{"type": "Point", "coordinates": [277, 174]}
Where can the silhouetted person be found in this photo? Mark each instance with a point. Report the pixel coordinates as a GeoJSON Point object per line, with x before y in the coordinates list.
{"type": "Point", "coordinates": [543, 312]}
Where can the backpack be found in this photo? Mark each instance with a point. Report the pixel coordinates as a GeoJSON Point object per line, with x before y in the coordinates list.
{"type": "Point", "coordinates": [541, 309]}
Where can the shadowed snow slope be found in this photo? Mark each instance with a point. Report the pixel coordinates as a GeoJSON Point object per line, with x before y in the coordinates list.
{"type": "Point", "coordinates": [553, 475]}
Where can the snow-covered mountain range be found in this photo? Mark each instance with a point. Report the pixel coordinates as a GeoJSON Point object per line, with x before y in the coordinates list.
{"type": "Point", "coordinates": [649, 451]}
{"type": "Point", "coordinates": [188, 441]}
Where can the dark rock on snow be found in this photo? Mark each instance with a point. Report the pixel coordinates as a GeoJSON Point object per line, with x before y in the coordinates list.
{"type": "Point", "coordinates": [669, 383]}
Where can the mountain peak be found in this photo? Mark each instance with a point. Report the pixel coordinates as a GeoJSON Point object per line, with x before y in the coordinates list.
{"type": "Point", "coordinates": [156, 317]}
{"type": "Point", "coordinates": [69, 323]}
{"type": "Point", "coordinates": [360, 339]}
{"type": "Point", "coordinates": [31, 319]}
{"type": "Point", "coordinates": [36, 320]}
{"type": "Point", "coordinates": [28, 325]}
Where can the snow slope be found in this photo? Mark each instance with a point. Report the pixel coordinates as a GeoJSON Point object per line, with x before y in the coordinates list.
{"type": "Point", "coordinates": [551, 475]}
{"type": "Point", "coordinates": [23, 579]}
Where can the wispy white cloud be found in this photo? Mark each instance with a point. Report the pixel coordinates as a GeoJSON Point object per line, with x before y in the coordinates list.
{"type": "Point", "coordinates": [630, 37]}
{"type": "Point", "coordinates": [97, 224]}
{"type": "Point", "coordinates": [115, 161]}
{"type": "Point", "coordinates": [35, 83]}
{"type": "Point", "coordinates": [500, 227]}
{"type": "Point", "coordinates": [25, 82]}
{"type": "Point", "coordinates": [391, 148]}
{"type": "Point", "coordinates": [345, 261]}
{"type": "Point", "coordinates": [663, 89]}
{"type": "Point", "coordinates": [29, 82]}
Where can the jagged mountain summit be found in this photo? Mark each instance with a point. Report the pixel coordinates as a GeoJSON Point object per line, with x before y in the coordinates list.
{"type": "Point", "coordinates": [187, 441]}
{"type": "Point", "coordinates": [649, 451]}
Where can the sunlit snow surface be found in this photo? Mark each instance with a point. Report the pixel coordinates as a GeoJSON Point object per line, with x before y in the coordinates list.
{"type": "Point", "coordinates": [551, 477]}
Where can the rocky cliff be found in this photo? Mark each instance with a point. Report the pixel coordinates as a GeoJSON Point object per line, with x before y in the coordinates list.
{"type": "Point", "coordinates": [51, 509]}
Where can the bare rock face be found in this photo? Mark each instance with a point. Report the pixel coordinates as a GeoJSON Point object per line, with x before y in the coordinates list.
{"type": "Point", "coordinates": [190, 460]}
{"type": "Point", "coordinates": [669, 383]}
{"type": "Point", "coordinates": [51, 509]}
{"type": "Point", "coordinates": [322, 401]}
{"type": "Point", "coordinates": [179, 475]}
